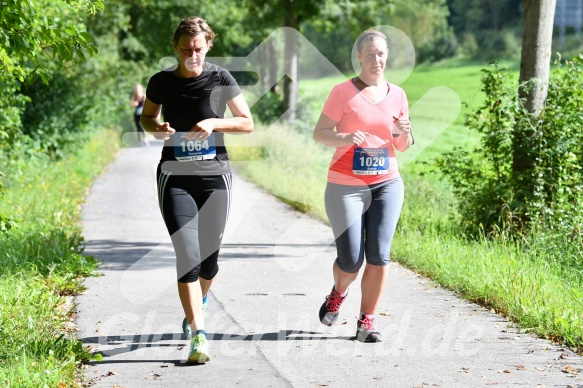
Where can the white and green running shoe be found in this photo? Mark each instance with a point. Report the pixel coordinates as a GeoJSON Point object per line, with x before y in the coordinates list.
{"type": "Point", "coordinates": [199, 349]}
{"type": "Point", "coordinates": [186, 326]}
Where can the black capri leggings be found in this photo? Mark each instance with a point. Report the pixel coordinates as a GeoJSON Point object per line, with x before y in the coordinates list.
{"type": "Point", "coordinates": [195, 209]}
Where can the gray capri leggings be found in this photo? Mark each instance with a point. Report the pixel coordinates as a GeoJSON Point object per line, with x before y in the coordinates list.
{"type": "Point", "coordinates": [364, 219]}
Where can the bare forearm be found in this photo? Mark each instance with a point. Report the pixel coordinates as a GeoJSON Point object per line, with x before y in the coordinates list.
{"type": "Point", "coordinates": [403, 142]}
{"type": "Point", "coordinates": [331, 138]}
{"type": "Point", "coordinates": [149, 123]}
{"type": "Point", "coordinates": [233, 125]}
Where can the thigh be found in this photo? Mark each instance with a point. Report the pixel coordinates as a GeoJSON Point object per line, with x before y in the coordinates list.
{"type": "Point", "coordinates": [345, 207]}
{"type": "Point", "coordinates": [180, 213]}
{"type": "Point", "coordinates": [381, 221]}
{"type": "Point", "coordinates": [213, 200]}
{"type": "Point", "coordinates": [177, 204]}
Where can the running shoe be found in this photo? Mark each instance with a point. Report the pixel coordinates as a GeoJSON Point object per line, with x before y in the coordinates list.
{"type": "Point", "coordinates": [365, 330]}
{"type": "Point", "coordinates": [331, 307]}
{"type": "Point", "coordinates": [186, 326]}
{"type": "Point", "coordinates": [199, 349]}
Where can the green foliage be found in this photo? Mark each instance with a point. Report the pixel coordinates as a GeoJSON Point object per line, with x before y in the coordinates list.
{"type": "Point", "coordinates": [38, 38]}
{"type": "Point", "coordinates": [352, 17]}
{"type": "Point", "coordinates": [481, 15]}
{"type": "Point", "coordinates": [42, 263]}
{"type": "Point", "coordinates": [481, 178]}
{"type": "Point", "coordinates": [57, 114]}
{"type": "Point", "coordinates": [488, 30]}
{"type": "Point", "coordinates": [29, 29]}
{"type": "Point", "coordinates": [50, 119]}
{"type": "Point", "coordinates": [5, 222]}
{"type": "Point", "coordinates": [442, 45]}
{"type": "Point", "coordinates": [11, 106]}
{"type": "Point", "coordinates": [492, 44]}
{"type": "Point", "coordinates": [34, 352]}
{"type": "Point", "coordinates": [545, 194]}
{"type": "Point", "coordinates": [268, 108]}
{"type": "Point", "coordinates": [143, 30]}
{"type": "Point", "coordinates": [423, 21]}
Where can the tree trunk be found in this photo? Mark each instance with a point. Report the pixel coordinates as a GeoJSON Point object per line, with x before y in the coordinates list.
{"type": "Point", "coordinates": [273, 66]}
{"type": "Point", "coordinates": [290, 86]}
{"type": "Point", "coordinates": [263, 69]}
{"type": "Point", "coordinates": [536, 51]}
{"type": "Point", "coordinates": [535, 64]}
{"type": "Point", "coordinates": [494, 7]}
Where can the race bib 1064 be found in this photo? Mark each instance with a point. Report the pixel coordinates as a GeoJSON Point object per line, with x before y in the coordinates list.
{"type": "Point", "coordinates": [370, 161]}
{"type": "Point", "coordinates": [187, 150]}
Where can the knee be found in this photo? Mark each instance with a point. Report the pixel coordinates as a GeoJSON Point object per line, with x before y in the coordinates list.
{"type": "Point", "coordinates": [380, 256]}
{"type": "Point", "coordinates": [349, 266]}
{"type": "Point", "coordinates": [191, 276]}
{"type": "Point", "coordinates": [209, 273]}
{"type": "Point", "coordinates": [378, 262]}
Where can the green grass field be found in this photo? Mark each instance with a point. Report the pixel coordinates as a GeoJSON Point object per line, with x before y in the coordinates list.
{"type": "Point", "coordinates": [540, 296]}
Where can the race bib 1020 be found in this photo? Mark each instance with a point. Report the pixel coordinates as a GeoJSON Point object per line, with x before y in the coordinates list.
{"type": "Point", "coordinates": [370, 161]}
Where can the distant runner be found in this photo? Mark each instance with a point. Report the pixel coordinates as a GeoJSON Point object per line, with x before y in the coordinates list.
{"type": "Point", "coordinates": [364, 194]}
{"type": "Point", "coordinates": [137, 102]}
{"type": "Point", "coordinates": [194, 174]}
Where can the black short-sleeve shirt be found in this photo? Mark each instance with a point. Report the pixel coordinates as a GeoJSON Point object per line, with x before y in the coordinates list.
{"type": "Point", "coordinates": [187, 101]}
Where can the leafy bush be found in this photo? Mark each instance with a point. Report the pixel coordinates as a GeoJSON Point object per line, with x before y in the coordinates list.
{"type": "Point", "coordinates": [6, 223]}
{"type": "Point", "coordinates": [268, 108]}
{"type": "Point", "coordinates": [57, 114]}
{"type": "Point", "coordinates": [545, 195]}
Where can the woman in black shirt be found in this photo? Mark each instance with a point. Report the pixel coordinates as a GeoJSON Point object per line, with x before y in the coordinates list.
{"type": "Point", "coordinates": [194, 179]}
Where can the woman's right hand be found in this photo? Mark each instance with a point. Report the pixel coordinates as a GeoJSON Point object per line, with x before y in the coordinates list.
{"type": "Point", "coordinates": [356, 137]}
{"type": "Point", "coordinates": [164, 131]}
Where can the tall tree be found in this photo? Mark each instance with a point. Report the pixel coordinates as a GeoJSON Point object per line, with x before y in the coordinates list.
{"type": "Point", "coordinates": [536, 51]}
{"type": "Point", "coordinates": [291, 59]}
{"type": "Point", "coordinates": [534, 78]}
{"type": "Point", "coordinates": [286, 13]}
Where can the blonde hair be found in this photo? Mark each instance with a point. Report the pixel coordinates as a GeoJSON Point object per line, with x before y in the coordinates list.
{"type": "Point", "coordinates": [368, 36]}
{"type": "Point", "coordinates": [193, 26]}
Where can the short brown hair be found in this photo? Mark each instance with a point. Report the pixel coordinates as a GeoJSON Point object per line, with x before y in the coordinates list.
{"type": "Point", "coordinates": [193, 26]}
{"type": "Point", "coordinates": [368, 36]}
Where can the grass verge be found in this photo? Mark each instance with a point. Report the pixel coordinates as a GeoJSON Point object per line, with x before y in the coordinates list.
{"type": "Point", "coordinates": [42, 265]}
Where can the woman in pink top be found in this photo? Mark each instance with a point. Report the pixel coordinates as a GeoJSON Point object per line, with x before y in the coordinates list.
{"type": "Point", "coordinates": [365, 119]}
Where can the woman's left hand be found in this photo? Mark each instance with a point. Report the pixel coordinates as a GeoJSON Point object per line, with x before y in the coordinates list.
{"type": "Point", "coordinates": [201, 131]}
{"type": "Point", "coordinates": [402, 125]}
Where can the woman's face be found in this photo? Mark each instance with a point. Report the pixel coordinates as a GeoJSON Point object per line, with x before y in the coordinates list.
{"type": "Point", "coordinates": [192, 51]}
{"type": "Point", "coordinates": [373, 57]}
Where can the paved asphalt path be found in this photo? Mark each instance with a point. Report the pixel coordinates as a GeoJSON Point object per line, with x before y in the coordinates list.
{"type": "Point", "coordinates": [262, 320]}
